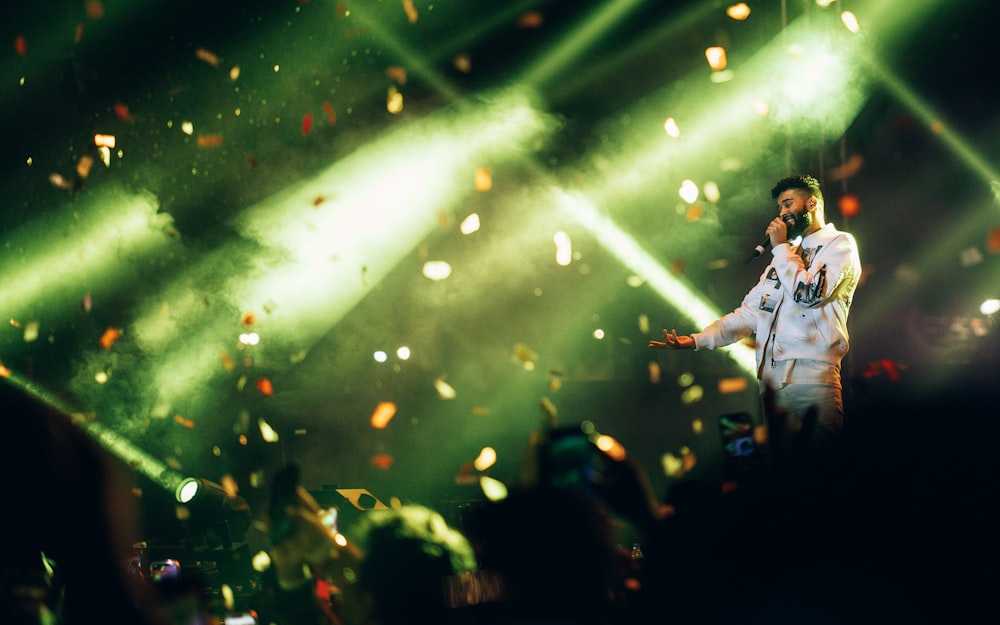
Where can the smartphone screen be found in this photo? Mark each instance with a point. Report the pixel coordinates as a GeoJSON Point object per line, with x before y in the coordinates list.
{"type": "Point", "coordinates": [738, 447]}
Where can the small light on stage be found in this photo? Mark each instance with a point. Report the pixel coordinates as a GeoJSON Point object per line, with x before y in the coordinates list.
{"type": "Point", "coordinates": [187, 490]}
{"type": "Point", "coordinates": [990, 306]}
{"type": "Point", "coordinates": [380, 356]}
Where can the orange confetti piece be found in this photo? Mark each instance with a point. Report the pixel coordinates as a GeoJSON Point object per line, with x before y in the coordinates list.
{"type": "Point", "coordinates": [383, 414]}
{"type": "Point", "coordinates": [264, 386]}
{"type": "Point", "coordinates": [249, 319]}
{"type": "Point", "coordinates": [530, 19]}
{"type": "Point", "coordinates": [83, 166]}
{"type": "Point", "coordinates": [209, 141]}
{"type": "Point", "coordinates": [330, 113]}
{"type": "Point", "coordinates": [462, 62]}
{"type": "Point", "coordinates": [728, 386]}
{"type": "Point", "coordinates": [382, 461]}
{"type": "Point", "coordinates": [483, 179]}
{"type": "Point", "coordinates": [307, 124]}
{"type": "Point", "coordinates": [227, 361]}
{"type": "Point", "coordinates": [849, 205]}
{"type": "Point", "coordinates": [121, 111]}
{"type": "Point", "coordinates": [318, 200]}
{"type": "Point", "coordinates": [105, 141]}
{"type": "Point", "coordinates": [993, 240]}
{"type": "Point", "coordinates": [411, 11]}
{"type": "Point", "coordinates": [397, 73]}
{"type": "Point", "coordinates": [4, 371]}
{"type": "Point", "coordinates": [21, 45]}
{"type": "Point", "coordinates": [207, 56]}
{"type": "Point", "coordinates": [111, 334]}
{"type": "Point", "coordinates": [78, 33]}
{"type": "Point", "coordinates": [188, 423]}
{"type": "Point", "coordinates": [95, 9]}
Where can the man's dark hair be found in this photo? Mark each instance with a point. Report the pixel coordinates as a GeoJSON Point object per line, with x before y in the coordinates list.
{"type": "Point", "coordinates": [797, 181]}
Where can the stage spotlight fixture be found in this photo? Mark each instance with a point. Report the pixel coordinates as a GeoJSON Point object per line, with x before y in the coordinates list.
{"type": "Point", "coordinates": [218, 517]}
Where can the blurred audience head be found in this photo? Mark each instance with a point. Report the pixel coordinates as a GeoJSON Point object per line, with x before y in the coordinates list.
{"type": "Point", "coordinates": [412, 562]}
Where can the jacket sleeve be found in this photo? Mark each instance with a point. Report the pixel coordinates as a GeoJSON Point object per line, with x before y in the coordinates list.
{"type": "Point", "coordinates": [735, 326]}
{"type": "Point", "coordinates": [835, 267]}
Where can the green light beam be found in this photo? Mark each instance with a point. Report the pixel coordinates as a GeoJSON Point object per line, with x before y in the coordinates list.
{"type": "Point", "coordinates": [307, 264]}
{"type": "Point", "coordinates": [673, 290]}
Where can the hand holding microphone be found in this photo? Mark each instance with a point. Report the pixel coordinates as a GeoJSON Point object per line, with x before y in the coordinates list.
{"type": "Point", "coordinates": [777, 233]}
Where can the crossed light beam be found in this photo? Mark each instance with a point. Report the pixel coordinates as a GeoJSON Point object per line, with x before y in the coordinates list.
{"type": "Point", "coordinates": [290, 245]}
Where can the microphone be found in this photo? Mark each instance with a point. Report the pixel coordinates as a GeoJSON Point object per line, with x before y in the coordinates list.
{"type": "Point", "coordinates": [789, 220]}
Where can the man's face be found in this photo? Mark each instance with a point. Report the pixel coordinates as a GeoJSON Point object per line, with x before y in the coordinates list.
{"type": "Point", "coordinates": [795, 210]}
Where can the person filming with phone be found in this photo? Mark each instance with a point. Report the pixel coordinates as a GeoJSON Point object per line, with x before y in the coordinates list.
{"type": "Point", "coordinates": [797, 313]}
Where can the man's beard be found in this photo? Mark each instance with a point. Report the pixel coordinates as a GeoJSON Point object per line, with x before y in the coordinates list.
{"type": "Point", "coordinates": [800, 222]}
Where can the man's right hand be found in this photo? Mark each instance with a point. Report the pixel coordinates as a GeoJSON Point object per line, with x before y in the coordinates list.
{"type": "Point", "coordinates": [672, 341]}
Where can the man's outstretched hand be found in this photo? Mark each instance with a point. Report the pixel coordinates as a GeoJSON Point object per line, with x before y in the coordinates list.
{"type": "Point", "coordinates": [672, 341]}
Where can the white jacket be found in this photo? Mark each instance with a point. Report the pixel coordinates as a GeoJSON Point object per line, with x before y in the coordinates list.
{"type": "Point", "coordinates": [800, 303]}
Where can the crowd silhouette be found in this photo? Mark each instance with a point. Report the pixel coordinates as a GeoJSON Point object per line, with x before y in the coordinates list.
{"type": "Point", "coordinates": [794, 538]}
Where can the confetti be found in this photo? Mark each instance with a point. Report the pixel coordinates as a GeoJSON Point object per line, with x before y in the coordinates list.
{"type": "Point", "coordinates": [382, 415]}
{"type": "Point", "coordinates": [249, 319]}
{"type": "Point", "coordinates": [462, 62]}
{"type": "Point", "coordinates": [382, 461]}
{"type": "Point", "coordinates": [209, 141]}
{"type": "Point", "coordinates": [83, 166]}
{"type": "Point", "coordinates": [487, 458]}
{"type": "Point", "coordinates": [20, 45]}
{"type": "Point", "coordinates": [61, 182]}
{"type": "Point", "coordinates": [86, 303]}
{"type": "Point", "coordinates": [121, 111]}
{"type": "Point", "coordinates": [993, 240]}
{"type": "Point", "coordinates": [483, 179]}
{"type": "Point", "coordinates": [4, 371]}
{"type": "Point", "coordinates": [526, 356]}
{"type": "Point", "coordinates": [227, 361]}
{"type": "Point", "coordinates": [264, 386]}
{"type": "Point", "coordinates": [530, 19]}
{"type": "Point", "coordinates": [411, 11]}
{"type": "Point", "coordinates": [107, 141]}
{"type": "Point", "coordinates": [397, 73]}
{"type": "Point", "coordinates": [207, 56]}
{"type": "Point", "coordinates": [188, 423]}
{"type": "Point", "coordinates": [330, 113]}
{"type": "Point", "coordinates": [394, 101]}
{"type": "Point", "coordinates": [111, 334]}
{"type": "Point", "coordinates": [267, 432]}
{"type": "Point", "coordinates": [444, 390]}
{"type": "Point", "coordinates": [728, 386]}
{"type": "Point", "coordinates": [95, 9]}
{"type": "Point", "coordinates": [307, 124]}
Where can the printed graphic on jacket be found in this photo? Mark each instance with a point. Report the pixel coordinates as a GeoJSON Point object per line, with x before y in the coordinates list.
{"type": "Point", "coordinates": [767, 303]}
